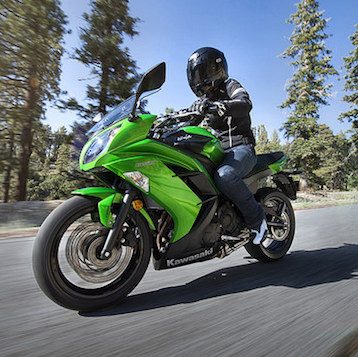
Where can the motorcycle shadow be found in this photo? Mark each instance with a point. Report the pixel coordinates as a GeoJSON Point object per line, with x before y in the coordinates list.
{"type": "Point", "coordinates": [299, 269]}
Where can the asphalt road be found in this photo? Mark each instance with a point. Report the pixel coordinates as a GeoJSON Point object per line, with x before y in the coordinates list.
{"type": "Point", "coordinates": [300, 306]}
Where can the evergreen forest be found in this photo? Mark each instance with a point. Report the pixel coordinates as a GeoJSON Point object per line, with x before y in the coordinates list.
{"type": "Point", "coordinates": [38, 163]}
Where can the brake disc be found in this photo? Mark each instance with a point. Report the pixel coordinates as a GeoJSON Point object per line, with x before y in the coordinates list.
{"type": "Point", "coordinates": [83, 248]}
{"type": "Point", "coordinates": [278, 233]}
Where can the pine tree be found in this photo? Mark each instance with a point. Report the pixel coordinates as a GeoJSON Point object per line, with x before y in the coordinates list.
{"type": "Point", "coordinates": [351, 163]}
{"type": "Point", "coordinates": [103, 53]}
{"type": "Point", "coordinates": [9, 134]}
{"type": "Point", "coordinates": [8, 144]}
{"type": "Point", "coordinates": [307, 89]}
{"type": "Point", "coordinates": [31, 34]}
{"type": "Point", "coordinates": [351, 86]}
{"type": "Point", "coordinates": [332, 171]}
{"type": "Point", "coordinates": [262, 141]}
{"type": "Point", "coordinates": [263, 144]}
{"type": "Point", "coordinates": [54, 181]}
{"type": "Point", "coordinates": [53, 172]}
{"type": "Point", "coordinates": [275, 144]}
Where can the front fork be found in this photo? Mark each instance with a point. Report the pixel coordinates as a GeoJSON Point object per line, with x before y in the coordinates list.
{"type": "Point", "coordinates": [116, 231]}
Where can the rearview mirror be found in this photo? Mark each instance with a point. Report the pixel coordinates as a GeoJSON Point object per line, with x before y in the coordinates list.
{"type": "Point", "coordinates": [151, 80]}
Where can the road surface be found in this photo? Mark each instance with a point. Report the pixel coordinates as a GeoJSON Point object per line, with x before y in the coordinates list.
{"type": "Point", "coordinates": [300, 306]}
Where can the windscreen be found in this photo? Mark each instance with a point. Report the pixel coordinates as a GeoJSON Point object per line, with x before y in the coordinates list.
{"type": "Point", "coordinates": [120, 112]}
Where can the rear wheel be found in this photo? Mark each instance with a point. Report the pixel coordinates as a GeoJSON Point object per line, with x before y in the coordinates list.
{"type": "Point", "coordinates": [281, 226]}
{"type": "Point", "coordinates": [67, 263]}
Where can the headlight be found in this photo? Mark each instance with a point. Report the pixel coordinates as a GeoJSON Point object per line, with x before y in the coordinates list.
{"type": "Point", "coordinates": [138, 179]}
{"type": "Point", "coordinates": [99, 145]}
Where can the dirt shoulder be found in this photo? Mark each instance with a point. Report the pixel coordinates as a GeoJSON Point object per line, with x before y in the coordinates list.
{"type": "Point", "coordinates": [23, 219]}
{"type": "Point", "coordinates": [319, 199]}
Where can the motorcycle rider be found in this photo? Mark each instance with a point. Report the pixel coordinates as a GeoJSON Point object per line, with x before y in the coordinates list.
{"type": "Point", "coordinates": [207, 74]}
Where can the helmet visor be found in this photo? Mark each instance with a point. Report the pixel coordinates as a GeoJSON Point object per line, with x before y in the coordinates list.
{"type": "Point", "coordinates": [197, 77]}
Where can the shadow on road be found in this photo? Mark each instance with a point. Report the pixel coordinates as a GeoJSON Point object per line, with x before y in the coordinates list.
{"type": "Point", "coordinates": [297, 270]}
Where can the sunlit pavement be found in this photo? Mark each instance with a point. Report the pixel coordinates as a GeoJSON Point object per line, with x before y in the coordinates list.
{"type": "Point", "coordinates": [300, 306]}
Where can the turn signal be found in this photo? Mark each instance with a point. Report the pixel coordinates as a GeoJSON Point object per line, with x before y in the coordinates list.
{"type": "Point", "coordinates": [137, 205]}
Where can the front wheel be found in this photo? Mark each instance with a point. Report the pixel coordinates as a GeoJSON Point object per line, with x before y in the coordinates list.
{"type": "Point", "coordinates": [67, 263]}
{"type": "Point", "coordinates": [281, 226]}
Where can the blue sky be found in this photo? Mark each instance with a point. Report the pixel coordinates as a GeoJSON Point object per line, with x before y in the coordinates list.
{"type": "Point", "coordinates": [251, 33]}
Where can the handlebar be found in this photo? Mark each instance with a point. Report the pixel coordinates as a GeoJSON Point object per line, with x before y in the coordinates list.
{"type": "Point", "coordinates": [175, 117]}
{"type": "Point", "coordinates": [172, 121]}
{"type": "Point", "coordinates": [185, 114]}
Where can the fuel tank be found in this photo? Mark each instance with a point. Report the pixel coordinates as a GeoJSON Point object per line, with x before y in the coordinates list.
{"type": "Point", "coordinates": [198, 141]}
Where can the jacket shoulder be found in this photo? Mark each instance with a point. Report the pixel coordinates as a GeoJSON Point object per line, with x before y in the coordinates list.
{"type": "Point", "coordinates": [235, 90]}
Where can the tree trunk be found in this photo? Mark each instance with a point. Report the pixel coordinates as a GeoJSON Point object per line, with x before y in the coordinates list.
{"type": "Point", "coordinates": [103, 96]}
{"type": "Point", "coordinates": [304, 181]}
{"type": "Point", "coordinates": [26, 144]}
{"type": "Point", "coordinates": [24, 159]}
{"type": "Point", "coordinates": [8, 169]}
{"type": "Point", "coordinates": [303, 184]}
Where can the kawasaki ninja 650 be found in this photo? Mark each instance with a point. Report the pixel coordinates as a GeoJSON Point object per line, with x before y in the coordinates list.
{"type": "Point", "coordinates": [158, 200]}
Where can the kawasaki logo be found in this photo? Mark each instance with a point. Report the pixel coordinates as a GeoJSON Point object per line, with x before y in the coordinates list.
{"type": "Point", "coordinates": [184, 137]}
{"type": "Point", "coordinates": [191, 258]}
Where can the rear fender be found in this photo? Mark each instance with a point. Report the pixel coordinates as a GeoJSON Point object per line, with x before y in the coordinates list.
{"type": "Point", "coordinates": [108, 197]}
{"type": "Point", "coordinates": [286, 184]}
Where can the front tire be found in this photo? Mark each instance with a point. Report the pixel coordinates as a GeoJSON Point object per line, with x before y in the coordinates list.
{"type": "Point", "coordinates": [279, 239]}
{"type": "Point", "coordinates": [66, 259]}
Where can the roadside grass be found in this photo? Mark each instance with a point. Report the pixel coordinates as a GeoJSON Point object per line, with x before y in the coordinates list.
{"type": "Point", "coordinates": [307, 200]}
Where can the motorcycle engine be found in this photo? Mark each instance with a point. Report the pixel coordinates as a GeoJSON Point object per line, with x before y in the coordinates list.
{"type": "Point", "coordinates": [226, 221]}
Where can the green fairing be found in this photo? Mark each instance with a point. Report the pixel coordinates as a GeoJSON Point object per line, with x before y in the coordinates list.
{"type": "Point", "coordinates": [277, 166]}
{"type": "Point", "coordinates": [130, 150]}
{"type": "Point", "coordinates": [100, 192]}
{"type": "Point", "coordinates": [104, 209]}
{"type": "Point", "coordinates": [129, 132]}
{"type": "Point", "coordinates": [108, 196]}
{"type": "Point", "coordinates": [166, 189]}
{"type": "Point", "coordinates": [213, 149]}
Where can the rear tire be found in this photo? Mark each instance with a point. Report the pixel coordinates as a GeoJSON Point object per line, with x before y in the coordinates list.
{"type": "Point", "coordinates": [66, 259]}
{"type": "Point", "coordinates": [270, 249]}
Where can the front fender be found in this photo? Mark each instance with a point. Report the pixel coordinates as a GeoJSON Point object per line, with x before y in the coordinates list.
{"type": "Point", "coordinates": [107, 197]}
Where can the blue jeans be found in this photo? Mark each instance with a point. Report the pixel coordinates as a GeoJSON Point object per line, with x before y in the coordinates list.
{"type": "Point", "coordinates": [238, 162]}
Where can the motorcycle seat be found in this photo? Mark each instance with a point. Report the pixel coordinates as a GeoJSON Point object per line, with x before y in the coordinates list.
{"type": "Point", "coordinates": [264, 160]}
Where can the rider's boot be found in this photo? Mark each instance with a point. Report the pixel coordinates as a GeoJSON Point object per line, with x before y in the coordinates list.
{"type": "Point", "coordinates": [259, 232]}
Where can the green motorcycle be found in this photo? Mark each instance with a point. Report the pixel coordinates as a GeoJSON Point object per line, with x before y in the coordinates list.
{"type": "Point", "coordinates": [158, 199]}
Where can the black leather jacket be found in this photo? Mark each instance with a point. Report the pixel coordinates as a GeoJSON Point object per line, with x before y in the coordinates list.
{"type": "Point", "coordinates": [235, 127]}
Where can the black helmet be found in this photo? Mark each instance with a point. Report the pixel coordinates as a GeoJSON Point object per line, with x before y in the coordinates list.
{"type": "Point", "coordinates": [207, 68]}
